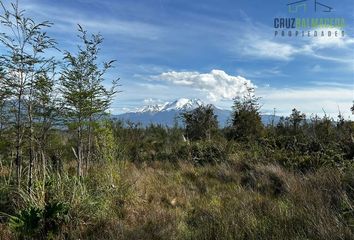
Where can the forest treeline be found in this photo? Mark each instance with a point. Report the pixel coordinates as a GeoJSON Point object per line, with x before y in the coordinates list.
{"type": "Point", "coordinates": [67, 171]}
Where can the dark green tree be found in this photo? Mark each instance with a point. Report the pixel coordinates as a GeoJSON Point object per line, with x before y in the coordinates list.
{"type": "Point", "coordinates": [296, 119]}
{"type": "Point", "coordinates": [246, 119]}
{"type": "Point", "coordinates": [201, 123]}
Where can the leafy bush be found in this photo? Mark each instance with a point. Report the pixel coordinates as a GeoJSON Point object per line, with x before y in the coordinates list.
{"type": "Point", "coordinates": [202, 153]}
{"type": "Point", "coordinates": [27, 222]}
{"type": "Point", "coordinates": [39, 223]}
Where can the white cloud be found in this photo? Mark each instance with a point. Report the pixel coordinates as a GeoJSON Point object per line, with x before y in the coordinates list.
{"type": "Point", "coordinates": [152, 101]}
{"type": "Point", "coordinates": [269, 49]}
{"type": "Point", "coordinates": [330, 41]}
{"type": "Point", "coordinates": [217, 84]}
{"type": "Point", "coordinates": [66, 21]}
{"type": "Point", "coordinates": [258, 44]}
{"type": "Point", "coordinates": [318, 94]}
{"type": "Point", "coordinates": [334, 84]}
{"type": "Point", "coordinates": [262, 73]}
{"type": "Point", "coordinates": [311, 100]}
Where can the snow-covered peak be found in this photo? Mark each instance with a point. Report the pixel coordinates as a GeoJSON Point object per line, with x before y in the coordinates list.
{"type": "Point", "coordinates": [183, 104]}
{"type": "Point", "coordinates": [179, 105]}
{"type": "Point", "coordinates": [150, 108]}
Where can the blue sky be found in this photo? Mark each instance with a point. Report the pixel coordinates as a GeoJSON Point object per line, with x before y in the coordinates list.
{"type": "Point", "coordinates": [169, 49]}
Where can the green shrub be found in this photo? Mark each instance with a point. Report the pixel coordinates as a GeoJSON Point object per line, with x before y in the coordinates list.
{"type": "Point", "coordinates": [202, 153]}
{"type": "Point", "coordinates": [27, 222]}
{"type": "Point", "coordinates": [7, 200]}
{"type": "Point", "coordinates": [39, 223]}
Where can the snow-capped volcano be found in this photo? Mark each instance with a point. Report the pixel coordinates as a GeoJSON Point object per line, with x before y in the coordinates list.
{"type": "Point", "coordinates": [168, 113]}
{"type": "Point", "coordinates": [181, 104]}
{"type": "Point", "coordinates": [149, 108]}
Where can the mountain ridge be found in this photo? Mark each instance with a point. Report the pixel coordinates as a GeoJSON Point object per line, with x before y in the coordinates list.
{"type": "Point", "coordinates": [169, 113]}
{"type": "Point", "coordinates": [179, 104]}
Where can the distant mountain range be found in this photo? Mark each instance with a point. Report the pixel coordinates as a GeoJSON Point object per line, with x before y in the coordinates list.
{"type": "Point", "coordinates": [170, 112]}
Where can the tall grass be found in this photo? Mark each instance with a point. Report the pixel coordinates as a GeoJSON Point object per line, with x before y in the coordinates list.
{"type": "Point", "coordinates": [161, 200]}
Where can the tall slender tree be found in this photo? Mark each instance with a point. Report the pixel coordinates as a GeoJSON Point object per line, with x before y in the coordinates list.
{"type": "Point", "coordinates": [25, 42]}
{"type": "Point", "coordinates": [3, 97]}
{"type": "Point", "coordinates": [84, 95]}
{"type": "Point", "coordinates": [46, 111]}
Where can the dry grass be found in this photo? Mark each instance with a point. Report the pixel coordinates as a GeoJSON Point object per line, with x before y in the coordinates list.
{"type": "Point", "coordinates": [234, 200]}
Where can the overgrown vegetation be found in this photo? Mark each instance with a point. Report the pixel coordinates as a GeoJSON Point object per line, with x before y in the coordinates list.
{"type": "Point", "coordinates": [68, 172]}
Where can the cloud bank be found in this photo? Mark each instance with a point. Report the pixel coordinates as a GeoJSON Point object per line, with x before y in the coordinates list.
{"type": "Point", "coordinates": [217, 84]}
{"type": "Point", "coordinates": [311, 100]}
{"type": "Point", "coordinates": [262, 46]}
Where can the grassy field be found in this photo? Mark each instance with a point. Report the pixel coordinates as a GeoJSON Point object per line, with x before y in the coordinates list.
{"type": "Point", "coordinates": [245, 196]}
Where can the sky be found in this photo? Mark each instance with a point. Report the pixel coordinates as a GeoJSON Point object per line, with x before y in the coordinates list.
{"type": "Point", "coordinates": [209, 49]}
